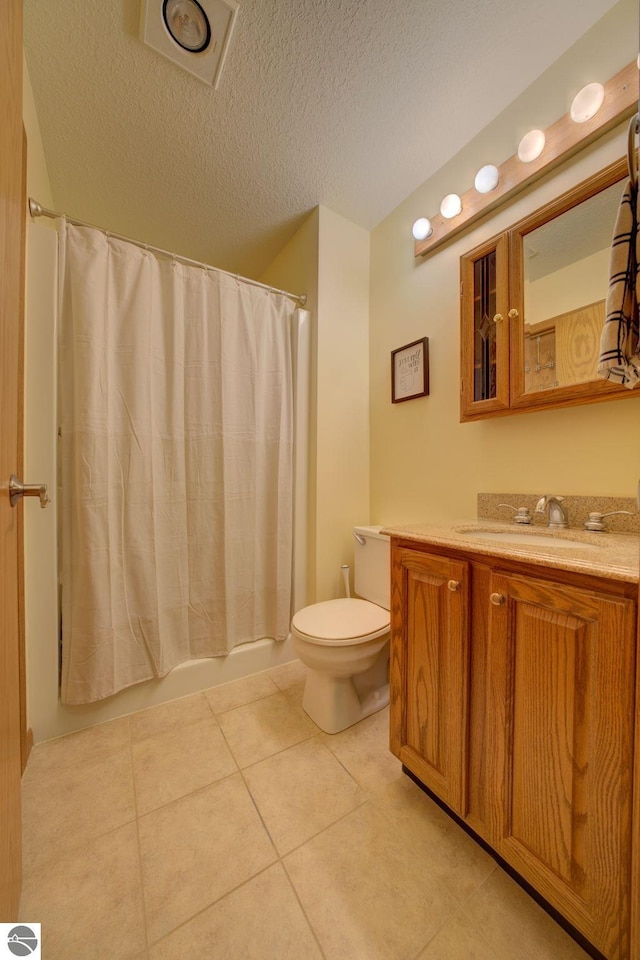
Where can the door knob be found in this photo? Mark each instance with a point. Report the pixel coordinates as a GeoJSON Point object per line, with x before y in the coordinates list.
{"type": "Point", "coordinates": [18, 490]}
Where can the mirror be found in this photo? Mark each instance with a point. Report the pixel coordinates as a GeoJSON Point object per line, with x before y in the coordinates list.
{"type": "Point", "coordinates": [565, 277]}
{"type": "Point", "coordinates": [558, 282]}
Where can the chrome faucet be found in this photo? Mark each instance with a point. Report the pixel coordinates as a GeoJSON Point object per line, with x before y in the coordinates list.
{"type": "Point", "coordinates": [557, 515]}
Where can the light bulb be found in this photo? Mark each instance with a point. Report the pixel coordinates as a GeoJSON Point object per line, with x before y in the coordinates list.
{"type": "Point", "coordinates": [451, 206]}
{"type": "Point", "coordinates": [487, 178]}
{"type": "Point", "coordinates": [422, 229]}
{"type": "Point", "coordinates": [531, 146]}
{"type": "Point", "coordinates": [187, 23]}
{"type": "Point", "coordinates": [587, 102]}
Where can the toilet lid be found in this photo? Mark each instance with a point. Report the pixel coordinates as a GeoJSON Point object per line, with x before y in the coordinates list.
{"type": "Point", "coordinates": [345, 619]}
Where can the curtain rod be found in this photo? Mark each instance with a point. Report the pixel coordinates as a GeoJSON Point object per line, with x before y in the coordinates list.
{"type": "Point", "coordinates": [37, 210]}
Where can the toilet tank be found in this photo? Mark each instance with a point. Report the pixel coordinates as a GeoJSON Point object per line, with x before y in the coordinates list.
{"type": "Point", "coordinates": [372, 566]}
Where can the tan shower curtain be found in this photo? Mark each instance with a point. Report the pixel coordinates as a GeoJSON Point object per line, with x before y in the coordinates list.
{"type": "Point", "coordinates": [176, 460]}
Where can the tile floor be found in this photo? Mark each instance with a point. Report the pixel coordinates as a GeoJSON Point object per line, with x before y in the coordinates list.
{"type": "Point", "coordinates": [227, 826]}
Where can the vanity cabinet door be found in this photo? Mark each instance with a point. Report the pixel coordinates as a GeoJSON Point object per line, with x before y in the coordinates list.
{"type": "Point", "coordinates": [429, 670]}
{"type": "Point", "coordinates": [484, 346]}
{"type": "Point", "coordinates": [562, 664]}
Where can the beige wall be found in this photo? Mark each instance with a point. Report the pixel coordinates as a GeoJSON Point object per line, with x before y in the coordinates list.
{"type": "Point", "coordinates": [296, 269]}
{"type": "Point", "coordinates": [556, 292]}
{"type": "Point", "coordinates": [328, 259]}
{"type": "Point", "coordinates": [424, 463]}
{"type": "Point", "coordinates": [342, 467]}
{"type": "Point", "coordinates": [40, 526]}
{"type": "Point", "coordinates": [38, 184]}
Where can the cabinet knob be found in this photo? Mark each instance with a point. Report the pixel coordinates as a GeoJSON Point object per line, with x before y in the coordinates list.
{"type": "Point", "coordinates": [513, 313]}
{"type": "Point", "coordinates": [453, 585]}
{"type": "Point", "coordinates": [497, 599]}
{"type": "Point", "coordinates": [498, 318]}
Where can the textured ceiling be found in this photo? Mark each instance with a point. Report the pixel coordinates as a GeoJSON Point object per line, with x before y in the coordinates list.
{"type": "Point", "coordinates": [347, 103]}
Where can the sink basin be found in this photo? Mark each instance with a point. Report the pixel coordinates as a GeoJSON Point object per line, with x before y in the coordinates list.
{"type": "Point", "coordinates": [531, 539]}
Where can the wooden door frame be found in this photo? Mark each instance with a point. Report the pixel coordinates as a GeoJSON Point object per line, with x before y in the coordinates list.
{"type": "Point", "coordinates": [26, 735]}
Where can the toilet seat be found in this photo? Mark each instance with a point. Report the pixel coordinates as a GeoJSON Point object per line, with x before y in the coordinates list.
{"type": "Point", "coordinates": [341, 622]}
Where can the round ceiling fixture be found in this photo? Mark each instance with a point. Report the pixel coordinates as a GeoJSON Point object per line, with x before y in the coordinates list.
{"type": "Point", "coordinates": [451, 206]}
{"type": "Point", "coordinates": [531, 146]}
{"type": "Point", "coordinates": [587, 102]}
{"type": "Point", "coordinates": [422, 229]}
{"type": "Point", "coordinates": [487, 178]}
{"type": "Point", "coordinates": [187, 24]}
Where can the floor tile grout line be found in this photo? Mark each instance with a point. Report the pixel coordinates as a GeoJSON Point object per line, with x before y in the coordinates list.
{"type": "Point", "coordinates": [328, 826]}
{"type": "Point", "coordinates": [191, 793]}
{"type": "Point", "coordinates": [109, 751]}
{"type": "Point", "coordinates": [240, 706]}
{"type": "Point", "coordinates": [304, 912]}
{"type": "Point", "coordinates": [60, 770]}
{"type": "Point", "coordinates": [357, 782]}
{"type": "Point", "coordinates": [175, 731]}
{"type": "Point", "coordinates": [182, 725]}
{"type": "Point", "coordinates": [76, 846]}
{"type": "Point", "coordinates": [198, 693]}
{"type": "Point", "coordinates": [71, 853]}
{"type": "Point", "coordinates": [213, 903]}
{"type": "Point", "coordinates": [477, 928]}
{"type": "Point", "coordinates": [246, 786]}
{"type": "Point", "coordinates": [360, 802]}
{"type": "Point", "coordinates": [227, 892]}
{"type": "Point", "coordinates": [454, 913]}
{"type": "Point", "coordinates": [145, 918]}
{"type": "Point", "coordinates": [253, 763]}
{"type": "Point", "coordinates": [238, 770]}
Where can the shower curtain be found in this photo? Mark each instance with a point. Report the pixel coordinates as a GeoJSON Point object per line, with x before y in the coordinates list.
{"type": "Point", "coordinates": [176, 434]}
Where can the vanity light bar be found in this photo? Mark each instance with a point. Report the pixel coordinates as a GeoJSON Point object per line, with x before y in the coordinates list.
{"type": "Point", "coordinates": [561, 140]}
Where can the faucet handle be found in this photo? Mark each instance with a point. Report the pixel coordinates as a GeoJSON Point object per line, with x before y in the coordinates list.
{"type": "Point", "coordinates": [596, 522]}
{"type": "Point", "coordinates": [522, 514]}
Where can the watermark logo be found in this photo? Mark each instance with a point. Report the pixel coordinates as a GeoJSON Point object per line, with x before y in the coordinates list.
{"type": "Point", "coordinates": [20, 940]}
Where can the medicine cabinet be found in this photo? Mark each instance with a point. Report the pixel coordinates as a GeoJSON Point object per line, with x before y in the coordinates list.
{"type": "Point", "coordinates": [533, 306]}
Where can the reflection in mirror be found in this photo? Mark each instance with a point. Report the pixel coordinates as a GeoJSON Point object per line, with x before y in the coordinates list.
{"type": "Point", "coordinates": [566, 264]}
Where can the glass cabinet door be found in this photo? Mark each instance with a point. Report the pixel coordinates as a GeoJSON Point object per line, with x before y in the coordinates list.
{"type": "Point", "coordinates": [485, 330]}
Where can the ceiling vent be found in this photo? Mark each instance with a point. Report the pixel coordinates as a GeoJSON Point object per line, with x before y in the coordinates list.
{"type": "Point", "coordinates": [194, 34]}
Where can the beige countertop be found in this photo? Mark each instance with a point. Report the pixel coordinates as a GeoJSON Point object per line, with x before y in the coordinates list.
{"type": "Point", "coordinates": [615, 556]}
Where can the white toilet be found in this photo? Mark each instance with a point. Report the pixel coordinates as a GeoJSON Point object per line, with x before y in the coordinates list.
{"type": "Point", "coordinates": [345, 643]}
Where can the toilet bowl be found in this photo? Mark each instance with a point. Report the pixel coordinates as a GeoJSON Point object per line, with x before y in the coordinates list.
{"type": "Point", "coordinates": [344, 643]}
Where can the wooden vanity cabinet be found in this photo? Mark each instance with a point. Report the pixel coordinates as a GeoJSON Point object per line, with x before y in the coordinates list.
{"type": "Point", "coordinates": [430, 671]}
{"type": "Point", "coordinates": [513, 701]}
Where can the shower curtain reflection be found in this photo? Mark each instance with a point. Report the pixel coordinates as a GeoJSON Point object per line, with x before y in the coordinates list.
{"type": "Point", "coordinates": [176, 416]}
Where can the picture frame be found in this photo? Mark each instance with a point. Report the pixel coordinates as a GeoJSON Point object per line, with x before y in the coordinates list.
{"type": "Point", "coordinates": [410, 371]}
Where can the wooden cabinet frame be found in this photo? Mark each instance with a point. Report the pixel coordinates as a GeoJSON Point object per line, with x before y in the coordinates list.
{"type": "Point", "coordinates": [510, 394]}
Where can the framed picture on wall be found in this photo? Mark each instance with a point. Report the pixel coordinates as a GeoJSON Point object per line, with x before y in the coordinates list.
{"type": "Point", "coordinates": [410, 371]}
